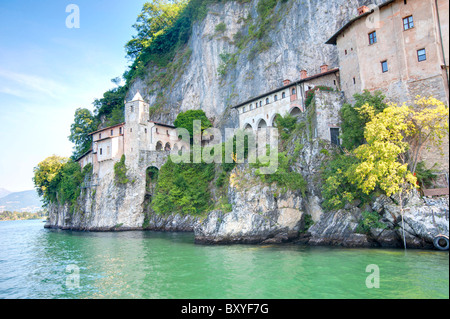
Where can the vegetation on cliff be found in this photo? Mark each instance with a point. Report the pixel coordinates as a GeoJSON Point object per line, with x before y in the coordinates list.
{"type": "Point", "coordinates": [186, 119]}
{"type": "Point", "coordinates": [59, 179]}
{"type": "Point", "coordinates": [120, 171]}
{"type": "Point", "coordinates": [183, 188]}
{"type": "Point", "coordinates": [384, 143]}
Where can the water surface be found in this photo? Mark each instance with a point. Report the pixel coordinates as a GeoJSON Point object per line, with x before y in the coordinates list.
{"type": "Point", "coordinates": [37, 263]}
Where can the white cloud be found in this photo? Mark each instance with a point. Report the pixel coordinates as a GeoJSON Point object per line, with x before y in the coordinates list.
{"type": "Point", "coordinates": [27, 85]}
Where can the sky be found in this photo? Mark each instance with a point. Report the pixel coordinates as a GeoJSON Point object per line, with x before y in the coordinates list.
{"type": "Point", "coordinates": [48, 69]}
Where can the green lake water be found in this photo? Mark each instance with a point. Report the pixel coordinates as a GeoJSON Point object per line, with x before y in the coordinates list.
{"type": "Point", "coordinates": [41, 263]}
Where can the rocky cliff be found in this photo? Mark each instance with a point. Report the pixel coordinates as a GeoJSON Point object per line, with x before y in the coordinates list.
{"type": "Point", "coordinates": [295, 42]}
{"type": "Point", "coordinates": [260, 213]}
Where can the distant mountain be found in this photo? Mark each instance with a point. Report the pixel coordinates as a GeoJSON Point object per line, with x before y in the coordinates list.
{"type": "Point", "coordinates": [26, 201]}
{"type": "Point", "coordinates": [4, 192]}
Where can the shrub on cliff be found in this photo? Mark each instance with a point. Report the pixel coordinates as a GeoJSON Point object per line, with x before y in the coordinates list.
{"type": "Point", "coordinates": [186, 119]}
{"type": "Point", "coordinates": [58, 179]}
{"type": "Point", "coordinates": [47, 176]}
{"type": "Point", "coordinates": [183, 188]}
{"type": "Point", "coordinates": [120, 171]}
{"type": "Point", "coordinates": [353, 121]}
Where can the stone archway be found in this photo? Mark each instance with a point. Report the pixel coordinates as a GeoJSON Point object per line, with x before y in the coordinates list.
{"type": "Point", "coordinates": [248, 127]}
{"type": "Point", "coordinates": [159, 146]}
{"type": "Point", "coordinates": [167, 147]}
{"type": "Point", "coordinates": [295, 111]}
{"type": "Point", "coordinates": [262, 124]}
{"type": "Point", "coordinates": [151, 176]}
{"type": "Point", "coordinates": [273, 122]}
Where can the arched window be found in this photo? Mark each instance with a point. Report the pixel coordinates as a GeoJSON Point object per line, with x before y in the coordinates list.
{"type": "Point", "coordinates": [293, 91]}
{"type": "Point", "coordinates": [243, 110]}
{"type": "Point", "coordinates": [295, 111]}
{"type": "Point", "coordinates": [260, 103]}
{"type": "Point", "coordinates": [167, 147]}
{"type": "Point", "coordinates": [251, 107]}
{"type": "Point", "coordinates": [262, 124]}
{"type": "Point", "coordinates": [275, 97]}
{"type": "Point", "coordinates": [159, 146]}
{"type": "Point", "coordinates": [267, 101]}
{"type": "Point", "coordinates": [283, 95]}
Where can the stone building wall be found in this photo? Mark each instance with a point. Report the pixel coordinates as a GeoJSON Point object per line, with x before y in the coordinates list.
{"type": "Point", "coordinates": [360, 60]}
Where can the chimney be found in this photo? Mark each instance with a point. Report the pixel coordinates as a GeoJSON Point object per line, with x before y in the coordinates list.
{"type": "Point", "coordinates": [286, 82]}
{"type": "Point", "coordinates": [362, 10]}
{"type": "Point", "coordinates": [324, 68]}
{"type": "Point", "coordinates": [303, 74]}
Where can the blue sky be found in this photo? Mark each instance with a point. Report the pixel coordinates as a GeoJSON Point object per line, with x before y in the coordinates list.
{"type": "Point", "coordinates": [47, 71]}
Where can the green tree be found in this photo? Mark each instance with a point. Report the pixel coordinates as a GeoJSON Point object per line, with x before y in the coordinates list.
{"type": "Point", "coordinates": [47, 176]}
{"type": "Point", "coordinates": [353, 120]}
{"type": "Point", "coordinates": [69, 182]}
{"type": "Point", "coordinates": [183, 188]}
{"type": "Point", "coordinates": [111, 100]}
{"type": "Point", "coordinates": [186, 119]}
{"type": "Point", "coordinates": [156, 16]}
{"type": "Point", "coordinates": [84, 123]}
{"type": "Point", "coordinates": [286, 125]}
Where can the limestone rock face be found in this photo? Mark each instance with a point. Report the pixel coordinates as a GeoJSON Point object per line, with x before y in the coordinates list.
{"type": "Point", "coordinates": [173, 222]}
{"type": "Point", "coordinates": [423, 220]}
{"type": "Point", "coordinates": [338, 229]}
{"type": "Point", "coordinates": [296, 43]}
{"type": "Point", "coordinates": [260, 214]}
{"type": "Point", "coordinates": [108, 206]}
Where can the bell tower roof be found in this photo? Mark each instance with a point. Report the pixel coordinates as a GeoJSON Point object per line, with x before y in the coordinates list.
{"type": "Point", "coordinates": [137, 97]}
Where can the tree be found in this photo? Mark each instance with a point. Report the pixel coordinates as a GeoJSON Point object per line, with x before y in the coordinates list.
{"type": "Point", "coordinates": [156, 16]}
{"type": "Point", "coordinates": [112, 99]}
{"type": "Point", "coordinates": [186, 119]}
{"type": "Point", "coordinates": [84, 123]}
{"type": "Point", "coordinates": [382, 161]}
{"type": "Point", "coordinates": [353, 120]}
{"type": "Point", "coordinates": [47, 176]}
{"type": "Point", "coordinates": [428, 126]}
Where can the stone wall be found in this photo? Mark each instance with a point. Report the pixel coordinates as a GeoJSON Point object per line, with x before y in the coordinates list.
{"type": "Point", "coordinates": [327, 107]}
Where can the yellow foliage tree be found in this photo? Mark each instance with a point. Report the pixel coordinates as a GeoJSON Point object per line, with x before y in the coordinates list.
{"type": "Point", "coordinates": [394, 141]}
{"type": "Point", "coordinates": [428, 126]}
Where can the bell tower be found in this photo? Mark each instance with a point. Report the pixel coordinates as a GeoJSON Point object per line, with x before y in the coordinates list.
{"type": "Point", "coordinates": [136, 110]}
{"type": "Point", "coordinates": [136, 127]}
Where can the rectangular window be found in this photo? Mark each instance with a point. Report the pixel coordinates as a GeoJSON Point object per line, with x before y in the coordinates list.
{"type": "Point", "coordinates": [373, 37]}
{"type": "Point", "coordinates": [408, 23]}
{"type": "Point", "coordinates": [101, 151]}
{"type": "Point", "coordinates": [421, 55]}
{"type": "Point", "coordinates": [112, 132]}
{"type": "Point", "coordinates": [100, 136]}
{"type": "Point", "coordinates": [334, 135]}
{"type": "Point", "coordinates": [384, 66]}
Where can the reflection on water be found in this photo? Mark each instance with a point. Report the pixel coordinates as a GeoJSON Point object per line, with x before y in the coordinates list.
{"type": "Point", "coordinates": [33, 264]}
